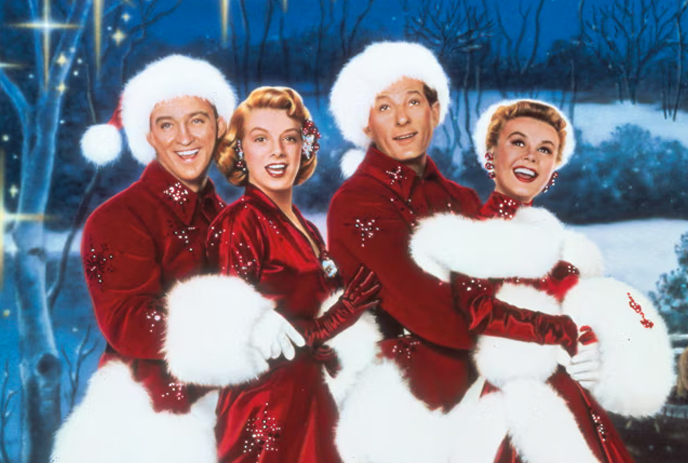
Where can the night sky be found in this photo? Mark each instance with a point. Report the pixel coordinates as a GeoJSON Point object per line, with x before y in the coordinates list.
{"type": "Point", "coordinates": [201, 19]}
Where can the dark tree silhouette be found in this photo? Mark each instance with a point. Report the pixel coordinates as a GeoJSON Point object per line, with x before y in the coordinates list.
{"type": "Point", "coordinates": [627, 36]}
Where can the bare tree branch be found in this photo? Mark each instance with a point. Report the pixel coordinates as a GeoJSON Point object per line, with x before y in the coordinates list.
{"type": "Point", "coordinates": [627, 36]}
{"type": "Point", "coordinates": [85, 348]}
{"type": "Point", "coordinates": [5, 411]}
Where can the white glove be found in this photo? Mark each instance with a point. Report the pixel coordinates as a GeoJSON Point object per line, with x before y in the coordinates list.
{"type": "Point", "coordinates": [274, 336]}
{"type": "Point", "coordinates": [584, 367]}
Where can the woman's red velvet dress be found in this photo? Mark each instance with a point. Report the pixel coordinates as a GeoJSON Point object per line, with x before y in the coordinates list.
{"type": "Point", "coordinates": [288, 414]}
{"type": "Point", "coordinates": [592, 419]}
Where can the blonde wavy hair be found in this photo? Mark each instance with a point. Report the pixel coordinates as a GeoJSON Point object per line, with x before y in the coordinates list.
{"type": "Point", "coordinates": [283, 98]}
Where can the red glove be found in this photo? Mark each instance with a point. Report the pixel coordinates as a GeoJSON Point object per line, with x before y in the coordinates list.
{"type": "Point", "coordinates": [359, 296]}
{"type": "Point", "coordinates": [488, 315]}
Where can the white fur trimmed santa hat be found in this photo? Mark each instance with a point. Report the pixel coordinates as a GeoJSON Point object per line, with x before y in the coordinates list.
{"type": "Point", "coordinates": [483, 124]}
{"type": "Point", "coordinates": [171, 77]}
{"type": "Point", "coordinates": [367, 74]}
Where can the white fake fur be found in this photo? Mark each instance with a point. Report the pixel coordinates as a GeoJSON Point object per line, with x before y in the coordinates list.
{"type": "Point", "coordinates": [539, 421]}
{"type": "Point", "coordinates": [101, 144]}
{"type": "Point", "coordinates": [381, 421]}
{"type": "Point", "coordinates": [115, 423]}
{"type": "Point", "coordinates": [501, 360]}
{"type": "Point", "coordinates": [166, 79]}
{"type": "Point", "coordinates": [636, 372]}
{"type": "Point", "coordinates": [580, 251]}
{"type": "Point", "coordinates": [483, 124]}
{"type": "Point", "coordinates": [379, 418]}
{"type": "Point", "coordinates": [370, 72]}
{"type": "Point", "coordinates": [477, 428]}
{"type": "Point", "coordinates": [493, 248]}
{"type": "Point", "coordinates": [210, 321]}
{"type": "Point", "coordinates": [350, 162]}
{"type": "Point", "coordinates": [356, 350]}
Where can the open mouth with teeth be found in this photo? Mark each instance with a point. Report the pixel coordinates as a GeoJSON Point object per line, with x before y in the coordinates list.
{"type": "Point", "coordinates": [525, 174]}
{"type": "Point", "coordinates": [188, 154]}
{"type": "Point", "coordinates": [406, 136]}
{"type": "Point", "coordinates": [277, 169]}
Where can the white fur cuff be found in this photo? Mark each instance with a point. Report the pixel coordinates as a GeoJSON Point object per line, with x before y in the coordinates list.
{"type": "Point", "coordinates": [210, 320]}
{"type": "Point", "coordinates": [115, 423]}
{"type": "Point", "coordinates": [636, 373]}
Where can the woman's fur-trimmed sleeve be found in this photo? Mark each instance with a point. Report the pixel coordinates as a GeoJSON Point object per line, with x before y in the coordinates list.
{"type": "Point", "coordinates": [493, 248]}
{"type": "Point", "coordinates": [636, 373]}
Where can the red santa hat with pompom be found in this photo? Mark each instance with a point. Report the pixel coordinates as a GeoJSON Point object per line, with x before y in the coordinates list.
{"type": "Point", "coordinates": [369, 73]}
{"type": "Point", "coordinates": [483, 124]}
{"type": "Point", "coordinates": [163, 80]}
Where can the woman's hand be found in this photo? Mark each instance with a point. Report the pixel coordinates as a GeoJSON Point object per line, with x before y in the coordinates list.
{"type": "Point", "coordinates": [274, 336]}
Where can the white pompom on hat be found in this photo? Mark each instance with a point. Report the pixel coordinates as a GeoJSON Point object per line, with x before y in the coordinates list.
{"type": "Point", "coordinates": [350, 162]}
{"type": "Point", "coordinates": [483, 124]}
{"type": "Point", "coordinates": [171, 77]}
{"type": "Point", "coordinates": [373, 70]}
{"type": "Point", "coordinates": [102, 144]}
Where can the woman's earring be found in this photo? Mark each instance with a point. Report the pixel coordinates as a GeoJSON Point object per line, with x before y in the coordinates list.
{"type": "Point", "coordinates": [489, 165]}
{"type": "Point", "coordinates": [551, 182]}
{"type": "Point", "coordinates": [309, 137]}
{"type": "Point", "coordinates": [240, 164]}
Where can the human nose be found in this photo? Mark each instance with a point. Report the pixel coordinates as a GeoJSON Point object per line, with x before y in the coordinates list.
{"type": "Point", "coordinates": [402, 116]}
{"type": "Point", "coordinates": [184, 135]}
{"type": "Point", "coordinates": [531, 154]}
{"type": "Point", "coordinates": [278, 149]}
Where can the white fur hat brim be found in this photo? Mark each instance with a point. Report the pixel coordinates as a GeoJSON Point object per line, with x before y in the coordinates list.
{"type": "Point", "coordinates": [163, 80]}
{"type": "Point", "coordinates": [481, 127]}
{"type": "Point", "coordinates": [373, 70]}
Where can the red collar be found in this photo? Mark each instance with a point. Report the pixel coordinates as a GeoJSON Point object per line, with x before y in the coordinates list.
{"type": "Point", "coordinates": [502, 206]}
{"type": "Point", "coordinates": [397, 176]}
{"type": "Point", "coordinates": [180, 199]}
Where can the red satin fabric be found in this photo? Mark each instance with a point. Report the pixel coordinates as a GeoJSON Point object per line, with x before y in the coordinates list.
{"type": "Point", "coordinates": [287, 415]}
{"type": "Point", "coordinates": [370, 221]}
{"type": "Point", "coordinates": [490, 316]}
{"type": "Point", "coordinates": [601, 437]}
{"type": "Point", "coordinates": [134, 248]}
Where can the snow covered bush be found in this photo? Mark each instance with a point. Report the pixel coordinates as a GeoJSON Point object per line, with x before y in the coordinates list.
{"type": "Point", "coordinates": [671, 296]}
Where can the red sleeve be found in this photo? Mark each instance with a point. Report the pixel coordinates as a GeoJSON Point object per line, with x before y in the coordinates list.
{"type": "Point", "coordinates": [489, 316]}
{"type": "Point", "coordinates": [363, 228]}
{"type": "Point", "coordinates": [236, 244]}
{"type": "Point", "coordinates": [123, 275]}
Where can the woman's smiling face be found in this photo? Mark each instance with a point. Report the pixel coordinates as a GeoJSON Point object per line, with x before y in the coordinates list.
{"type": "Point", "coordinates": [525, 157]}
{"type": "Point", "coordinates": [272, 149]}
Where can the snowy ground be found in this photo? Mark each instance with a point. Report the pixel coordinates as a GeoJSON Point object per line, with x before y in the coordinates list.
{"type": "Point", "coordinates": [638, 251]}
{"type": "Point", "coordinates": [593, 120]}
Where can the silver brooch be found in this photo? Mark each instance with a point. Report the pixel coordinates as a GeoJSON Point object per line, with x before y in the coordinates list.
{"type": "Point", "coordinates": [329, 267]}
